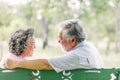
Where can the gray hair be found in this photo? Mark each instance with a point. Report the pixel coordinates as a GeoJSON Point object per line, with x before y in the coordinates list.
{"type": "Point", "coordinates": [19, 40]}
{"type": "Point", "coordinates": [72, 28]}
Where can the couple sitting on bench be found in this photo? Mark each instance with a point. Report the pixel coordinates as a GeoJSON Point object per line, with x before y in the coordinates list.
{"type": "Point", "coordinates": [78, 52]}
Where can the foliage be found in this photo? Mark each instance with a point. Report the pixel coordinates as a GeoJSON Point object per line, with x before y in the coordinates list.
{"type": "Point", "coordinates": [97, 16]}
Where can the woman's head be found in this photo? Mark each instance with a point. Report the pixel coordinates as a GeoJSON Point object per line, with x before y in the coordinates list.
{"type": "Point", "coordinates": [22, 42]}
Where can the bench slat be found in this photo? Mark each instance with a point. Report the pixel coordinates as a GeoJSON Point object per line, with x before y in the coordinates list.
{"type": "Point", "coordinates": [77, 74]}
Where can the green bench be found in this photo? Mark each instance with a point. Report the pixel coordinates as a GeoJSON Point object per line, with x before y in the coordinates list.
{"type": "Point", "coordinates": [77, 74]}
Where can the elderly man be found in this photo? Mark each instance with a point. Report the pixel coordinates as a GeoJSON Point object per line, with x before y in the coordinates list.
{"type": "Point", "coordinates": [79, 53]}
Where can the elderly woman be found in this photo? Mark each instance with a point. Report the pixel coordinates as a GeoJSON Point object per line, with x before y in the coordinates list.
{"type": "Point", "coordinates": [21, 45]}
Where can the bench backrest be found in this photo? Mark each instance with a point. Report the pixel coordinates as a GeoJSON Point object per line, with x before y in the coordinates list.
{"type": "Point", "coordinates": [77, 74]}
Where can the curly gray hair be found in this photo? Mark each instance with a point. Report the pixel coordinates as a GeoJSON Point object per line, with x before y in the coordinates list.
{"type": "Point", "coordinates": [19, 40]}
{"type": "Point", "coordinates": [72, 28]}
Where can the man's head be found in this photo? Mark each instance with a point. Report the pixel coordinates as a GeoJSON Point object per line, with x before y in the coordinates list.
{"type": "Point", "coordinates": [22, 43]}
{"type": "Point", "coordinates": [70, 34]}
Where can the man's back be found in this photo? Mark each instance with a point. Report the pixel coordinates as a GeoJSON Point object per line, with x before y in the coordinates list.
{"type": "Point", "coordinates": [89, 54]}
{"type": "Point", "coordinates": [84, 55]}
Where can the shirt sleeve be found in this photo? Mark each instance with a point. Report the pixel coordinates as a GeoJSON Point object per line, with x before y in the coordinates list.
{"type": "Point", "coordinates": [2, 62]}
{"type": "Point", "coordinates": [65, 62]}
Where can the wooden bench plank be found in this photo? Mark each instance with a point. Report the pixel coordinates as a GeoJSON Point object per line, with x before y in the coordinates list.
{"type": "Point", "coordinates": [77, 74]}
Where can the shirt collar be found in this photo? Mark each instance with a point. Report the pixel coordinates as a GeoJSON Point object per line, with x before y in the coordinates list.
{"type": "Point", "coordinates": [79, 45]}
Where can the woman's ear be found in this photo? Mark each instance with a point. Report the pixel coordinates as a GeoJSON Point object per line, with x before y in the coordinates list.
{"type": "Point", "coordinates": [73, 40]}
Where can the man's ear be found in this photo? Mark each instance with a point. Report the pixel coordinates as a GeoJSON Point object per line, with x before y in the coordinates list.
{"type": "Point", "coordinates": [74, 40]}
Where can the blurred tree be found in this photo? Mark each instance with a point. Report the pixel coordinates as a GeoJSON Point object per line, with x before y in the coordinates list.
{"type": "Point", "coordinates": [5, 15]}
{"type": "Point", "coordinates": [117, 28]}
{"type": "Point", "coordinates": [97, 16]}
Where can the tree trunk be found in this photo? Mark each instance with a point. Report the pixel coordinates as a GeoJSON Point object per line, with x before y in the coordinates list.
{"type": "Point", "coordinates": [45, 24]}
{"type": "Point", "coordinates": [117, 28]}
{"type": "Point", "coordinates": [1, 48]}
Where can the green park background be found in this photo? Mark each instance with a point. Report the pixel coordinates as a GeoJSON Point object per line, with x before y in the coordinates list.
{"type": "Point", "coordinates": [100, 19]}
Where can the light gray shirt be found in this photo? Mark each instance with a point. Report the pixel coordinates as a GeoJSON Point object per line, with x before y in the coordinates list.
{"type": "Point", "coordinates": [84, 55]}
